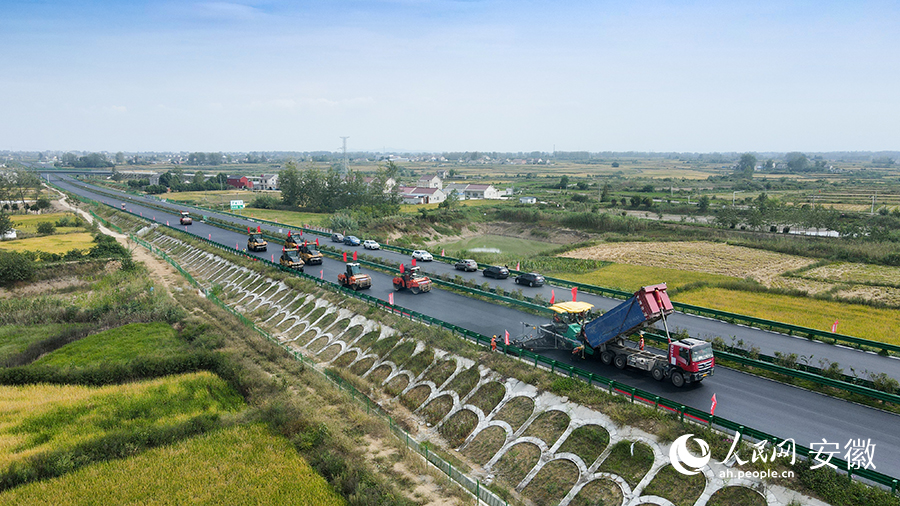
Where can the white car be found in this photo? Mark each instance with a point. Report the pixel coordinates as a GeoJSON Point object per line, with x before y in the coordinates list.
{"type": "Point", "coordinates": [370, 244]}
{"type": "Point", "coordinates": [422, 255]}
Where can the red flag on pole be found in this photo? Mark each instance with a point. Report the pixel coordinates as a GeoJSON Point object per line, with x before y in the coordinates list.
{"type": "Point", "coordinates": [413, 262]}
{"type": "Point", "coordinates": [401, 268]}
{"type": "Point", "coordinates": [304, 243]}
{"type": "Point", "coordinates": [210, 237]}
{"type": "Point", "coordinates": [834, 326]}
{"type": "Point", "coordinates": [506, 337]}
{"type": "Point", "coordinates": [248, 229]}
{"type": "Point", "coordinates": [322, 274]}
{"type": "Point", "coordinates": [345, 256]}
{"type": "Point", "coordinates": [712, 408]}
{"type": "Point", "coordinates": [273, 257]}
{"type": "Point", "coordinates": [167, 223]}
{"type": "Point", "coordinates": [301, 232]}
{"type": "Point", "coordinates": [289, 233]}
{"type": "Point", "coordinates": [518, 266]}
{"type": "Point", "coordinates": [258, 229]}
{"type": "Point", "coordinates": [354, 256]}
{"type": "Point", "coordinates": [391, 298]}
{"type": "Point", "coordinates": [317, 242]}
{"type": "Point", "coordinates": [442, 251]}
{"type": "Point", "coordinates": [574, 293]}
{"type": "Point", "coordinates": [552, 296]}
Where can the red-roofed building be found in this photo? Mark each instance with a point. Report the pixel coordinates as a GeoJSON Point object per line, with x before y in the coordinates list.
{"type": "Point", "coordinates": [239, 182]}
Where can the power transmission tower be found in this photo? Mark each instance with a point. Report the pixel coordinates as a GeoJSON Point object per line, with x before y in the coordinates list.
{"type": "Point", "coordinates": [345, 154]}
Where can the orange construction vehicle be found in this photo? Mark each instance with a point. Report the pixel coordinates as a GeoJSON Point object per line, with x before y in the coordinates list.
{"type": "Point", "coordinates": [354, 278]}
{"type": "Point", "coordinates": [410, 279]}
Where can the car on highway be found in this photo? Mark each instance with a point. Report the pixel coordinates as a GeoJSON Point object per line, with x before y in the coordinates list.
{"type": "Point", "coordinates": [335, 237]}
{"type": "Point", "coordinates": [352, 240]}
{"type": "Point", "coordinates": [467, 265]}
{"type": "Point", "coordinates": [422, 255]}
{"type": "Point", "coordinates": [371, 244]}
{"type": "Point", "coordinates": [530, 279]}
{"type": "Point", "coordinates": [496, 271]}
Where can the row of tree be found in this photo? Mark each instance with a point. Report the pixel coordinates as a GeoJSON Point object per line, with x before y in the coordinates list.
{"type": "Point", "coordinates": [328, 190]}
{"type": "Point", "coordinates": [17, 185]}
{"type": "Point", "coordinates": [765, 213]}
{"type": "Point", "coordinates": [89, 161]}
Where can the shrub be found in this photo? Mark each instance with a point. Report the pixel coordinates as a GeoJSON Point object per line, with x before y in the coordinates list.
{"type": "Point", "coordinates": [15, 267]}
{"type": "Point", "coordinates": [46, 228]}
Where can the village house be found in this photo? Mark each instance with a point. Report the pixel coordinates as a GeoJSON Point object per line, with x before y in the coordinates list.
{"type": "Point", "coordinates": [239, 182]}
{"type": "Point", "coordinates": [419, 195]}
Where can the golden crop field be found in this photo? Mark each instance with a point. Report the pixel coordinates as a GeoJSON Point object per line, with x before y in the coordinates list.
{"type": "Point", "coordinates": [845, 272]}
{"type": "Point", "coordinates": [29, 222]}
{"type": "Point", "coordinates": [853, 319]}
{"type": "Point", "coordinates": [45, 418]}
{"type": "Point", "coordinates": [238, 465]}
{"type": "Point", "coordinates": [57, 243]}
{"type": "Point", "coordinates": [631, 277]}
{"type": "Point", "coordinates": [697, 256]}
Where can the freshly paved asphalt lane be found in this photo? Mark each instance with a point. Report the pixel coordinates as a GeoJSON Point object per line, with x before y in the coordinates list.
{"type": "Point", "coordinates": [778, 409]}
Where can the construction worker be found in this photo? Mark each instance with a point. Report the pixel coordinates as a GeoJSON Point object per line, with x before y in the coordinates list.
{"type": "Point", "coordinates": [641, 342]}
{"type": "Point", "coordinates": [494, 343]}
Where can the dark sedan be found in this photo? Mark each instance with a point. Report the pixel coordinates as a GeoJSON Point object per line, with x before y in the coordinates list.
{"type": "Point", "coordinates": [495, 271]}
{"type": "Point", "coordinates": [530, 279]}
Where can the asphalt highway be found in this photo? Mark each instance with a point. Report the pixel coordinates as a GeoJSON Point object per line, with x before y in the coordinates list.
{"type": "Point", "coordinates": [776, 408]}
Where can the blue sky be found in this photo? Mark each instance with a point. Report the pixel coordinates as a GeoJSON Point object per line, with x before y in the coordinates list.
{"type": "Point", "coordinates": [444, 75]}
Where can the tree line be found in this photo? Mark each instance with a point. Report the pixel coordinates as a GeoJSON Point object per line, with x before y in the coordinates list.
{"type": "Point", "coordinates": [766, 213]}
{"type": "Point", "coordinates": [328, 190]}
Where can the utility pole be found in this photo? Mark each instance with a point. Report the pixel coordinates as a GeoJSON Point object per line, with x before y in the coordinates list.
{"type": "Point", "coordinates": [345, 153]}
{"type": "Point", "coordinates": [873, 202]}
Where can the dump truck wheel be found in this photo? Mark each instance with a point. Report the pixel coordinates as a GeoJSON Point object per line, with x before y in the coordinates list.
{"type": "Point", "coordinates": [606, 357]}
{"type": "Point", "coordinates": [620, 361]}
{"type": "Point", "coordinates": [658, 373]}
{"type": "Point", "coordinates": [677, 379]}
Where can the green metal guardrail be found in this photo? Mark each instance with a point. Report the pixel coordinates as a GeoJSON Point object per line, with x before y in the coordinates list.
{"type": "Point", "coordinates": [594, 379]}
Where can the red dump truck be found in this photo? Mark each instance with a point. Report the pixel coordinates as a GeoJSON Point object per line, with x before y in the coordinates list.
{"type": "Point", "coordinates": [685, 361]}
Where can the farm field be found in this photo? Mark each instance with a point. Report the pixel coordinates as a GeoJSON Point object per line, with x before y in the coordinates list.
{"type": "Point", "coordinates": [29, 222]}
{"type": "Point", "coordinates": [57, 243]}
{"type": "Point", "coordinates": [506, 246]}
{"type": "Point", "coordinates": [856, 320]}
{"type": "Point", "coordinates": [630, 277]}
{"type": "Point", "coordinates": [118, 346]}
{"type": "Point", "coordinates": [14, 339]}
{"type": "Point", "coordinates": [37, 419]}
{"type": "Point", "coordinates": [845, 272]}
{"type": "Point", "coordinates": [237, 465]}
{"type": "Point", "coordinates": [216, 198]}
{"type": "Point", "coordinates": [709, 257]}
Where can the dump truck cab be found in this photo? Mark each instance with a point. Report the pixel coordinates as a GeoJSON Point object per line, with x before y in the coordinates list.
{"type": "Point", "coordinates": [291, 259]}
{"type": "Point", "coordinates": [694, 357]}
